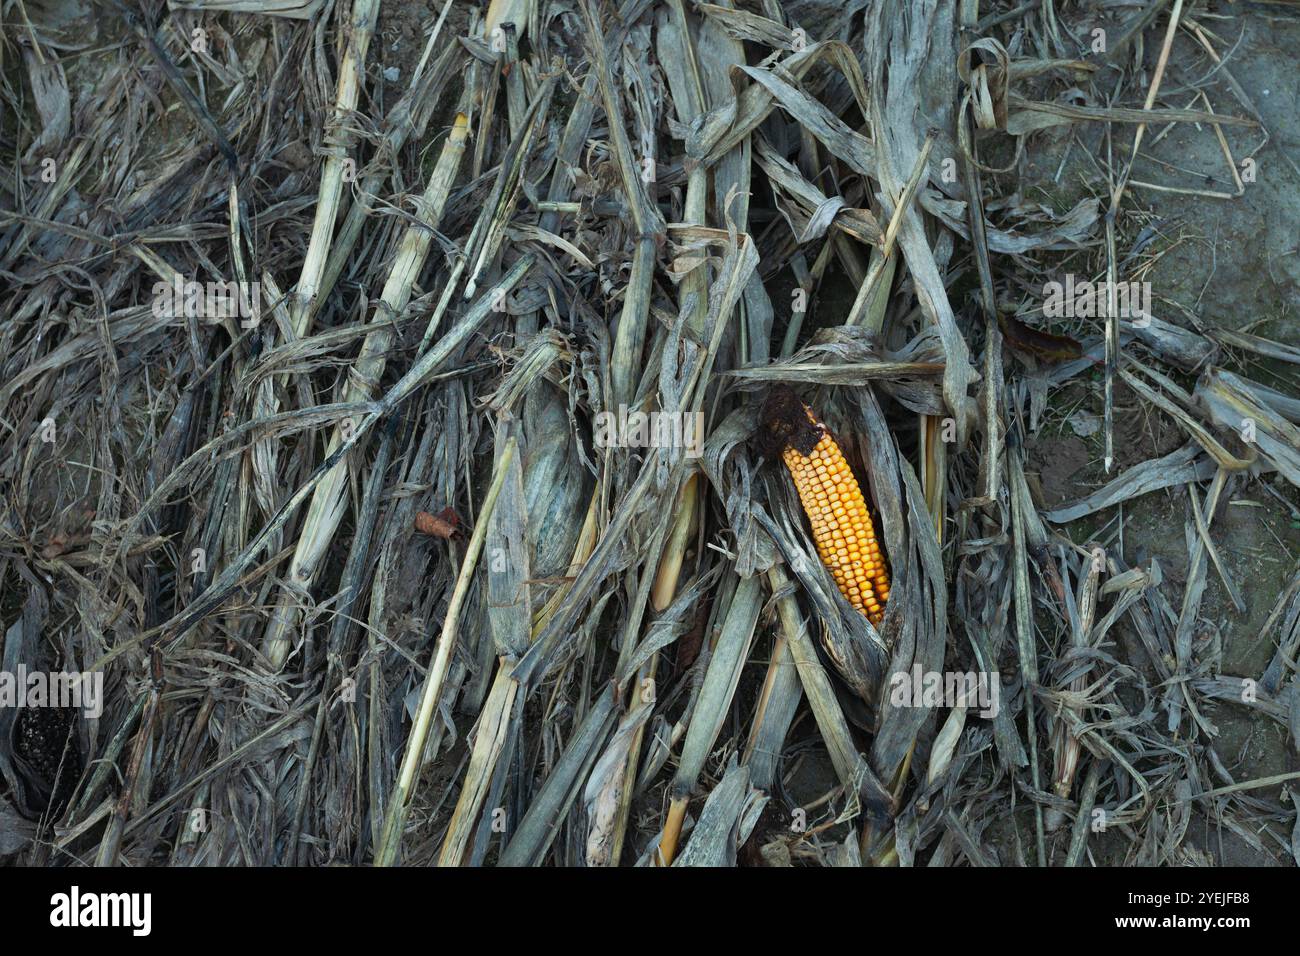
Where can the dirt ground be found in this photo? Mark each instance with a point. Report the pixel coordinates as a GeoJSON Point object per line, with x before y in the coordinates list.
{"type": "Point", "coordinates": [1232, 263]}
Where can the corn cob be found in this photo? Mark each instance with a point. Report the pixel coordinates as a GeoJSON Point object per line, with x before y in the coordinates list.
{"type": "Point", "coordinates": [842, 527]}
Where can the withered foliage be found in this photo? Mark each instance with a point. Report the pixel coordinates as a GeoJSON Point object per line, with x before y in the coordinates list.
{"type": "Point", "coordinates": [309, 308]}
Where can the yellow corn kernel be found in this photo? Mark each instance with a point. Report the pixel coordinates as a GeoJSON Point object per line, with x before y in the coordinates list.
{"type": "Point", "coordinates": [842, 527]}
